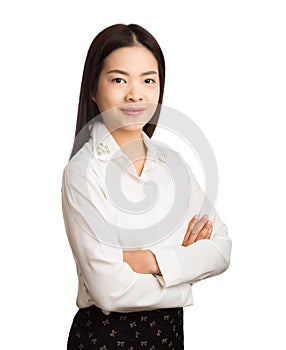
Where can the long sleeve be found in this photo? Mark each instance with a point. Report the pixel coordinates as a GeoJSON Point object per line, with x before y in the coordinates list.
{"type": "Point", "coordinates": [104, 278]}
{"type": "Point", "coordinates": [202, 259]}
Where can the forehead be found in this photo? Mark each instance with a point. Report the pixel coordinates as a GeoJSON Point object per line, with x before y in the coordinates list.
{"type": "Point", "coordinates": [131, 58]}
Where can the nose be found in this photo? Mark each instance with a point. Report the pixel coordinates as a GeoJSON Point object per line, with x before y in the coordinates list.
{"type": "Point", "coordinates": [134, 93]}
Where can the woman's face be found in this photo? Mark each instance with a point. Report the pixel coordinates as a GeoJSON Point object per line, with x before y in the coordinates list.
{"type": "Point", "coordinates": [128, 88]}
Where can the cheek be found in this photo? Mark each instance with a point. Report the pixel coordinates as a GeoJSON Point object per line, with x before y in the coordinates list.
{"type": "Point", "coordinates": [153, 95]}
{"type": "Point", "coordinates": [107, 97]}
{"type": "Point", "coordinates": [113, 98]}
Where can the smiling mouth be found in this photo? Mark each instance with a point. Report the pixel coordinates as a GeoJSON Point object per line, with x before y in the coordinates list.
{"type": "Point", "coordinates": [132, 111]}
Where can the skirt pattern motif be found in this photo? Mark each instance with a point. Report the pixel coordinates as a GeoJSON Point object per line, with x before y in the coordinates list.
{"type": "Point", "coordinates": [144, 330]}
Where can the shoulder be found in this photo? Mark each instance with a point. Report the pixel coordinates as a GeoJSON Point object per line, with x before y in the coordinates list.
{"type": "Point", "coordinates": [77, 166]}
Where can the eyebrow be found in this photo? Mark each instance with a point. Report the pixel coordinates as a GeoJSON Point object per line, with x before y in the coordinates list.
{"type": "Point", "coordinates": [119, 71]}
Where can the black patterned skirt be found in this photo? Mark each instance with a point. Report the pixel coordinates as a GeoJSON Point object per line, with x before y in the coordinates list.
{"type": "Point", "coordinates": [143, 330]}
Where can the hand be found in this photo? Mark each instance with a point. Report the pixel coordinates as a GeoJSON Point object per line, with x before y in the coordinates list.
{"type": "Point", "coordinates": [141, 261]}
{"type": "Point", "coordinates": [197, 230]}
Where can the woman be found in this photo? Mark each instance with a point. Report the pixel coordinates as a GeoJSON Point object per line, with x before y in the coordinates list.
{"type": "Point", "coordinates": [130, 297]}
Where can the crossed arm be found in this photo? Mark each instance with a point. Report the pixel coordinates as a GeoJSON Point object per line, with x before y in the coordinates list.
{"type": "Point", "coordinates": [144, 261]}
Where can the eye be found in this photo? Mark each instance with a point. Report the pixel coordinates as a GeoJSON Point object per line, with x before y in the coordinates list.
{"type": "Point", "coordinates": [149, 81]}
{"type": "Point", "coordinates": [118, 80]}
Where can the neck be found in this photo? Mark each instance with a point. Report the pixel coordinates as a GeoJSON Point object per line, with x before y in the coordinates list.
{"type": "Point", "coordinates": [123, 137]}
{"type": "Point", "coordinates": [131, 143]}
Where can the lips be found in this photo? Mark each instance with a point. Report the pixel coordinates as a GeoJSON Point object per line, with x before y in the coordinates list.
{"type": "Point", "coordinates": [132, 111]}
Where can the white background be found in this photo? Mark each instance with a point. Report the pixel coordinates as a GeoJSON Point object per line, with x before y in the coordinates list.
{"type": "Point", "coordinates": [226, 70]}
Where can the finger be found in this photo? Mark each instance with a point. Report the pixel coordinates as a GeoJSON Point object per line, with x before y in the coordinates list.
{"type": "Point", "coordinates": [193, 222]}
{"type": "Point", "coordinates": [190, 228]}
{"type": "Point", "coordinates": [208, 236]}
{"type": "Point", "coordinates": [192, 237]}
{"type": "Point", "coordinates": [196, 233]}
{"type": "Point", "coordinates": [199, 225]}
{"type": "Point", "coordinates": [205, 233]}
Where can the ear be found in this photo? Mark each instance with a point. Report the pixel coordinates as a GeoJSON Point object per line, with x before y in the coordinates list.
{"type": "Point", "coordinates": [93, 97]}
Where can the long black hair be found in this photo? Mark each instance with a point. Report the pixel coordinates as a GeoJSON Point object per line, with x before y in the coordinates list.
{"type": "Point", "coordinates": [108, 40]}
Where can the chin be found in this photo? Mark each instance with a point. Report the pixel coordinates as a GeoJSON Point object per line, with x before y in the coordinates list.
{"type": "Point", "coordinates": [134, 127]}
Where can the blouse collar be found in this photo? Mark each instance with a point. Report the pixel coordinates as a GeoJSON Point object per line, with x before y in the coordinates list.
{"type": "Point", "coordinates": [105, 147]}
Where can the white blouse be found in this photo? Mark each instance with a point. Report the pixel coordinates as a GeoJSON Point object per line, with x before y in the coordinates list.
{"type": "Point", "coordinates": [99, 226]}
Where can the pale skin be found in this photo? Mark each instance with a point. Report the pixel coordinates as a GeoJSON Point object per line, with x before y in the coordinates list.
{"type": "Point", "coordinates": [130, 78]}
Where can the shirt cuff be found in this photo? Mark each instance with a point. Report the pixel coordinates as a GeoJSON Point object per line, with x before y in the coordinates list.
{"type": "Point", "coordinates": [169, 266]}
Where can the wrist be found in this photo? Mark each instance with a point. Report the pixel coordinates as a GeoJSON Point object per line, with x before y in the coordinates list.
{"type": "Point", "coordinates": [155, 270]}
